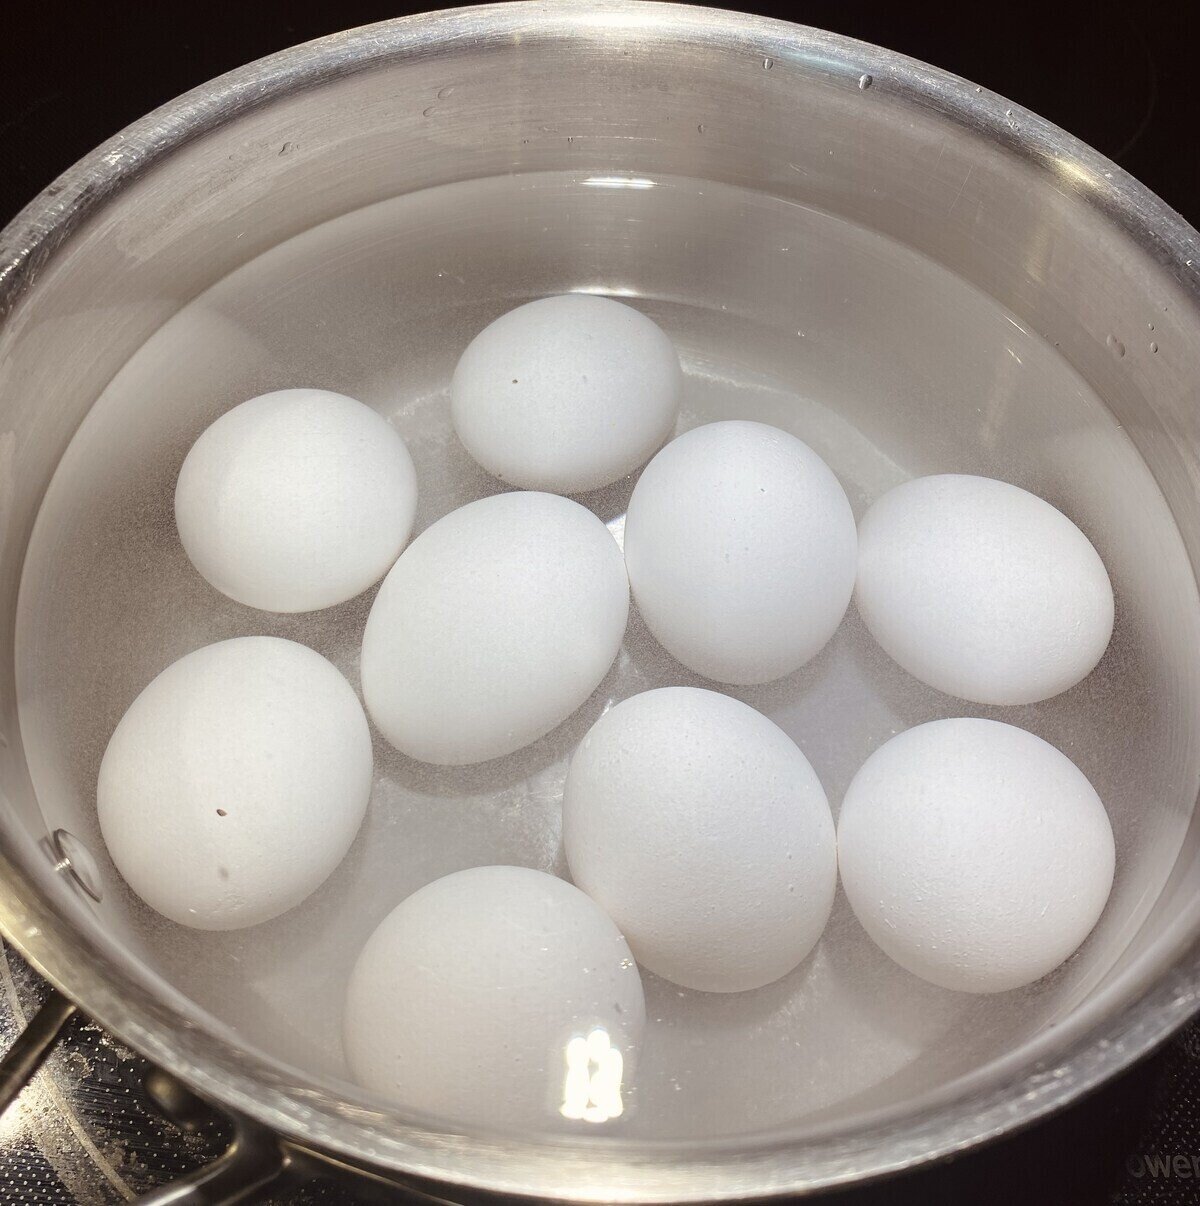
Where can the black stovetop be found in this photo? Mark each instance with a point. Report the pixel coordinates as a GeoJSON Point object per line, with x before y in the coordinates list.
{"type": "Point", "coordinates": [1117, 74]}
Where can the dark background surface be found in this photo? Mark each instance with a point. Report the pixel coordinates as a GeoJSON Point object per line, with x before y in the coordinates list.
{"type": "Point", "coordinates": [1119, 75]}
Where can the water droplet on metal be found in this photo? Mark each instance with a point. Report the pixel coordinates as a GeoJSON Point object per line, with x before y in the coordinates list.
{"type": "Point", "coordinates": [864, 82]}
{"type": "Point", "coordinates": [1115, 346]}
{"type": "Point", "coordinates": [429, 112]}
{"type": "Point", "coordinates": [700, 128]}
{"type": "Point", "coordinates": [445, 92]}
{"type": "Point", "coordinates": [1153, 347]}
{"type": "Point", "coordinates": [768, 64]}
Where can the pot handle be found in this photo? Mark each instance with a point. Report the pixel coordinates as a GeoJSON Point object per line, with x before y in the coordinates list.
{"type": "Point", "coordinates": [27, 1054]}
{"type": "Point", "coordinates": [252, 1164]}
{"type": "Point", "coordinates": [253, 1160]}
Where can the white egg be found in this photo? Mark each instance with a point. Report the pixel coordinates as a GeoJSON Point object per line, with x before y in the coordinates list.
{"type": "Point", "coordinates": [740, 546]}
{"type": "Point", "coordinates": [982, 590]}
{"type": "Point", "coordinates": [566, 393]}
{"type": "Point", "coordinates": [296, 500]}
{"type": "Point", "coordinates": [493, 627]}
{"type": "Point", "coordinates": [702, 830]}
{"type": "Point", "coordinates": [496, 993]}
{"type": "Point", "coordinates": [236, 782]}
{"type": "Point", "coordinates": [975, 854]}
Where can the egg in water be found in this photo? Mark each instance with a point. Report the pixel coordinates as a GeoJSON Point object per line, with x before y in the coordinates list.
{"type": "Point", "coordinates": [495, 624]}
{"type": "Point", "coordinates": [496, 993]}
{"type": "Point", "coordinates": [701, 829]}
{"type": "Point", "coordinates": [236, 782]}
{"type": "Point", "coordinates": [566, 393]}
{"type": "Point", "coordinates": [981, 589]}
{"type": "Point", "coordinates": [296, 500]}
{"type": "Point", "coordinates": [740, 545]}
{"type": "Point", "coordinates": [974, 853]}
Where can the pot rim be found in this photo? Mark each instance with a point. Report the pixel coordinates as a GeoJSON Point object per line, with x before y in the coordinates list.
{"type": "Point", "coordinates": [596, 1169]}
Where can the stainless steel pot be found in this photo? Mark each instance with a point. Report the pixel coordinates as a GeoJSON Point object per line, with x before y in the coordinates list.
{"type": "Point", "coordinates": [1079, 252]}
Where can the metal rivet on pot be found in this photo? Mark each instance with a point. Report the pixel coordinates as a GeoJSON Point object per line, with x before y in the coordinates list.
{"type": "Point", "coordinates": [75, 861]}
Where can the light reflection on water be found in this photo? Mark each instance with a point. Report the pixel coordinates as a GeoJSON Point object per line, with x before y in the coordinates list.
{"type": "Point", "coordinates": [592, 1083]}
